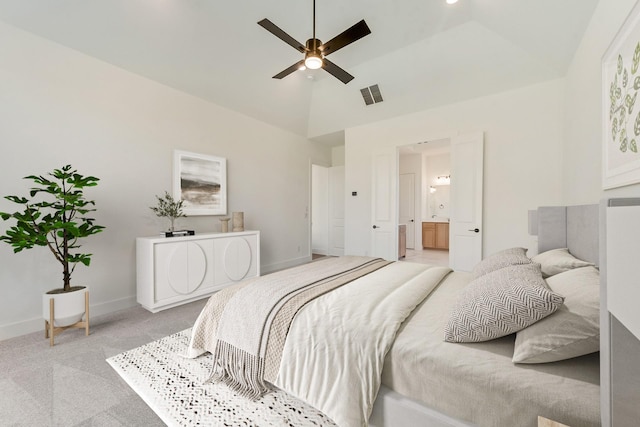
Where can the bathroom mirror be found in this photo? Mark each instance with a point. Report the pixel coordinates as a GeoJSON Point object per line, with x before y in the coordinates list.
{"type": "Point", "coordinates": [439, 203]}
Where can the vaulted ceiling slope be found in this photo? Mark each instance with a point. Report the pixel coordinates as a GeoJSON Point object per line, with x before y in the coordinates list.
{"type": "Point", "coordinates": [422, 53]}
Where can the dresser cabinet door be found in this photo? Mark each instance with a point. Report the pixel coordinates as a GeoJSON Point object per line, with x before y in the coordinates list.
{"type": "Point", "coordinates": [235, 259]}
{"type": "Point", "coordinates": [181, 268]}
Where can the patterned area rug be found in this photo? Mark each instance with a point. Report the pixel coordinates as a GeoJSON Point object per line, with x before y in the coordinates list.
{"type": "Point", "coordinates": [173, 387]}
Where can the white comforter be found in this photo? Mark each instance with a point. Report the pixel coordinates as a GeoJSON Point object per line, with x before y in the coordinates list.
{"type": "Point", "coordinates": [335, 349]}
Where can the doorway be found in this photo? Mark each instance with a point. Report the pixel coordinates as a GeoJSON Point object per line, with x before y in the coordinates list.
{"type": "Point", "coordinates": [455, 222]}
{"type": "Point", "coordinates": [465, 225]}
{"type": "Point", "coordinates": [425, 209]}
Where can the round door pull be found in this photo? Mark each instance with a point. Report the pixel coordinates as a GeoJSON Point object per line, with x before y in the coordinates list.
{"type": "Point", "coordinates": [476, 230]}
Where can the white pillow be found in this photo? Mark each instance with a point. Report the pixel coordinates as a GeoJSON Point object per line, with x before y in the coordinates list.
{"type": "Point", "coordinates": [500, 303]}
{"type": "Point", "coordinates": [571, 331]}
{"type": "Point", "coordinates": [502, 259]}
{"type": "Point", "coordinates": [557, 261]}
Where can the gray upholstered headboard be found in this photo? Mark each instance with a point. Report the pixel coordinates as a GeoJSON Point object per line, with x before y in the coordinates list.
{"type": "Point", "coordinates": [573, 227]}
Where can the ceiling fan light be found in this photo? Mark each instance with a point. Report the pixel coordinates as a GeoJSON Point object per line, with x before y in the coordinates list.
{"type": "Point", "coordinates": [313, 61]}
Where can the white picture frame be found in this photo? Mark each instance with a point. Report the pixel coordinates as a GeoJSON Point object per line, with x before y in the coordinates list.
{"type": "Point", "coordinates": [621, 106]}
{"type": "Point", "coordinates": [200, 181]}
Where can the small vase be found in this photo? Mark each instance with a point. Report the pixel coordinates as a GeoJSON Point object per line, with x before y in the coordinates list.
{"type": "Point", "coordinates": [238, 221]}
{"type": "Point", "coordinates": [224, 224]}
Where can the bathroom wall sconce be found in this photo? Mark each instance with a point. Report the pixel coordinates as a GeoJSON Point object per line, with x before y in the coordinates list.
{"type": "Point", "coordinates": [443, 180]}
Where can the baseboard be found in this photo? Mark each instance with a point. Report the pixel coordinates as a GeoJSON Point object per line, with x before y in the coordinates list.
{"type": "Point", "coordinates": [24, 327]}
{"type": "Point", "coordinates": [266, 269]}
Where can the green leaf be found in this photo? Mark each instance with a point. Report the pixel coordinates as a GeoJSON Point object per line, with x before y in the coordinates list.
{"type": "Point", "coordinates": [625, 78]}
{"type": "Point", "coordinates": [614, 128]}
{"type": "Point", "coordinates": [630, 102]}
{"type": "Point", "coordinates": [619, 64]}
{"type": "Point", "coordinates": [612, 109]}
{"type": "Point", "coordinates": [636, 59]}
{"type": "Point", "coordinates": [632, 146]}
{"type": "Point", "coordinates": [623, 145]}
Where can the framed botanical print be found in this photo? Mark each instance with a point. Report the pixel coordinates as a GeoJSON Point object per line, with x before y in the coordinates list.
{"type": "Point", "coordinates": [621, 106]}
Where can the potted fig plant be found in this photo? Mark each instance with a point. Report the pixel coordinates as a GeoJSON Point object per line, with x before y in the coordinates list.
{"type": "Point", "coordinates": [55, 215]}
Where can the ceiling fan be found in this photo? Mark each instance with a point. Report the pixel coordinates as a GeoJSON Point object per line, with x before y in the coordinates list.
{"type": "Point", "coordinates": [315, 52]}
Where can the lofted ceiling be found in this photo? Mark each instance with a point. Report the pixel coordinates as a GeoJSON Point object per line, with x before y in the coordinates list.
{"type": "Point", "coordinates": [422, 53]}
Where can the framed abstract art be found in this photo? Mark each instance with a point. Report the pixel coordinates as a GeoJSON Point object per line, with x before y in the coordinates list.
{"type": "Point", "coordinates": [201, 182]}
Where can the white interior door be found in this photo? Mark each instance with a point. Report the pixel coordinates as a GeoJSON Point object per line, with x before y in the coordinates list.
{"type": "Point", "coordinates": [384, 233]}
{"type": "Point", "coordinates": [319, 210]}
{"type": "Point", "coordinates": [336, 210]}
{"type": "Point", "coordinates": [465, 233]}
{"type": "Point", "coordinates": [407, 207]}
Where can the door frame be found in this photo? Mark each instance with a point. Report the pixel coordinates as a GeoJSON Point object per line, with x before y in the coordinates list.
{"type": "Point", "coordinates": [396, 180]}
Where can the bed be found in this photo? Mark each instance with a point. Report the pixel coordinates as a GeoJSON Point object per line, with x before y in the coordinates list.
{"type": "Point", "coordinates": [383, 361]}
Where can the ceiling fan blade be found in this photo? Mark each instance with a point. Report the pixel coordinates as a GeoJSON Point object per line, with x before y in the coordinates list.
{"type": "Point", "coordinates": [279, 33]}
{"type": "Point", "coordinates": [336, 71]}
{"type": "Point", "coordinates": [348, 36]}
{"type": "Point", "coordinates": [286, 72]}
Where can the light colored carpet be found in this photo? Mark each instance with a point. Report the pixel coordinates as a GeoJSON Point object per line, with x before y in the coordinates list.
{"type": "Point", "coordinates": [71, 384]}
{"type": "Point", "coordinates": [173, 386]}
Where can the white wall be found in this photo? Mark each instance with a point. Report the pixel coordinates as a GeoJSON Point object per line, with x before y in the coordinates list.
{"type": "Point", "coordinates": [523, 158]}
{"type": "Point", "coordinates": [582, 152]}
{"type": "Point", "coordinates": [337, 156]}
{"type": "Point", "coordinates": [58, 107]}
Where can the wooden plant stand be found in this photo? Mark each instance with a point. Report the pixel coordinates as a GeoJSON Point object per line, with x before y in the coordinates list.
{"type": "Point", "coordinates": [50, 331]}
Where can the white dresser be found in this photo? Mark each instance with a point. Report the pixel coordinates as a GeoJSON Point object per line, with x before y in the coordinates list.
{"type": "Point", "coordinates": [176, 270]}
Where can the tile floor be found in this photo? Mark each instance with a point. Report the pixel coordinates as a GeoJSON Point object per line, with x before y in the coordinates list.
{"type": "Point", "coordinates": [428, 256]}
{"type": "Point", "coordinates": [422, 256]}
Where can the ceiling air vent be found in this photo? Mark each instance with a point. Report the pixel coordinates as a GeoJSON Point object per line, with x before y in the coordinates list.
{"type": "Point", "coordinates": [371, 94]}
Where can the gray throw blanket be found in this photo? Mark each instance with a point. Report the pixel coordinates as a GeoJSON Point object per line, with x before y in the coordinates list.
{"type": "Point", "coordinates": [255, 318]}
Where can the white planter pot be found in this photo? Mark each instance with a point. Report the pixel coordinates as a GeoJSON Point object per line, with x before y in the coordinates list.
{"type": "Point", "coordinates": [69, 307]}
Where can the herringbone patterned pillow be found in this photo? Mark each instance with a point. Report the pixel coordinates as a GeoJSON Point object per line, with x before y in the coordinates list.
{"type": "Point", "coordinates": [500, 303]}
{"type": "Point", "coordinates": [502, 259]}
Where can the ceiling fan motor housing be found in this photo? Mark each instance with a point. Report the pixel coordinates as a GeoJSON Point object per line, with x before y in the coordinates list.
{"type": "Point", "coordinates": [313, 56]}
{"type": "Point", "coordinates": [311, 47]}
